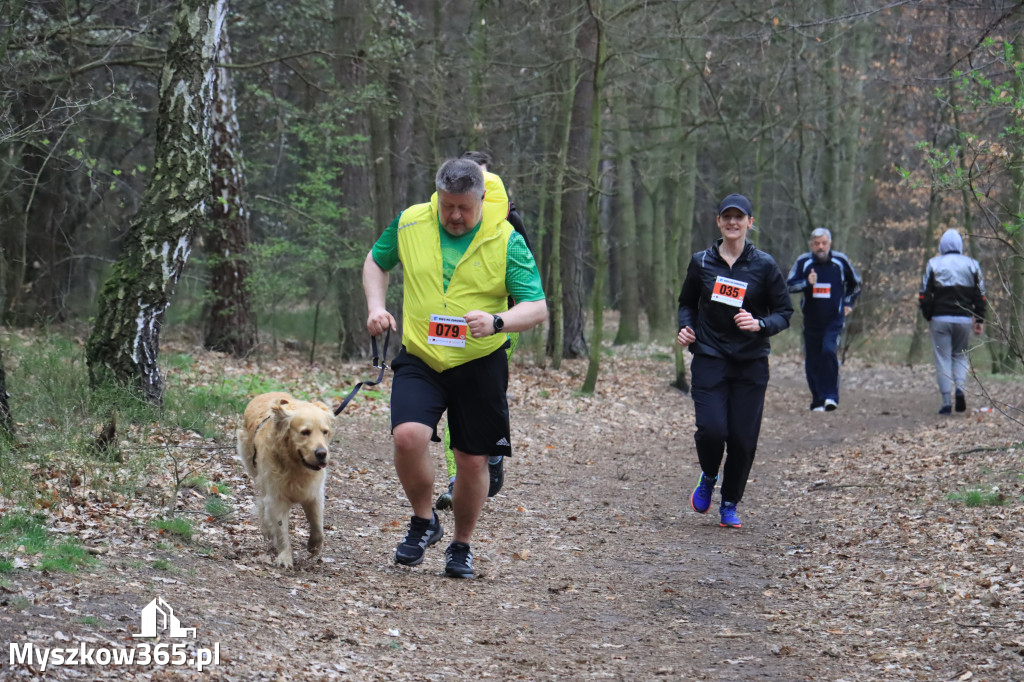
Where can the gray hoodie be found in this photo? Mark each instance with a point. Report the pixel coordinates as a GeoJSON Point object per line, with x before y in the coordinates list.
{"type": "Point", "coordinates": [953, 286]}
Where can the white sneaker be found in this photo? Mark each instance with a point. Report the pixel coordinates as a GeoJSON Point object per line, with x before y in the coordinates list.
{"type": "Point", "coordinates": [819, 408]}
{"type": "Point", "coordinates": [830, 404]}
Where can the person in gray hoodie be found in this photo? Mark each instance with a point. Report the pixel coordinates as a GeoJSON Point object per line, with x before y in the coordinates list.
{"type": "Point", "coordinates": [952, 299]}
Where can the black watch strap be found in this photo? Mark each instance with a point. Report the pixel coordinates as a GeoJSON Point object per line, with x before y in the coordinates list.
{"type": "Point", "coordinates": [499, 324]}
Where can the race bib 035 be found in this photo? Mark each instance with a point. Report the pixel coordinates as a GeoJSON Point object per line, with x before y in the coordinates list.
{"type": "Point", "coordinates": [729, 291]}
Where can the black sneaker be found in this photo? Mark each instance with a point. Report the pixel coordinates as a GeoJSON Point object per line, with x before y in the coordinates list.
{"type": "Point", "coordinates": [458, 561]}
{"type": "Point", "coordinates": [444, 500]}
{"type": "Point", "coordinates": [961, 402]}
{"type": "Point", "coordinates": [496, 469]}
{"type": "Point", "coordinates": [422, 534]}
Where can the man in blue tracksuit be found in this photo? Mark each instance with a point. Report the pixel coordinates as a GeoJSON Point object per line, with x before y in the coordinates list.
{"type": "Point", "coordinates": [830, 288]}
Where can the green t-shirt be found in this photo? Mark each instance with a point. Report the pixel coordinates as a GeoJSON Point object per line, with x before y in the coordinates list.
{"type": "Point", "coordinates": [522, 279]}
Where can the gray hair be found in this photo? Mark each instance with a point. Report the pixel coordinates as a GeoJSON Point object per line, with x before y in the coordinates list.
{"type": "Point", "coordinates": [821, 232]}
{"type": "Point", "coordinates": [460, 176]}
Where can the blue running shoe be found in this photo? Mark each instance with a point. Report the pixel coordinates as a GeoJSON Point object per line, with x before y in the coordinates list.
{"type": "Point", "coordinates": [700, 500]}
{"type": "Point", "coordinates": [730, 519]}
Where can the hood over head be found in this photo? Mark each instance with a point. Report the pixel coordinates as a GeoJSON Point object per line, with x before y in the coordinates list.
{"type": "Point", "coordinates": [951, 242]}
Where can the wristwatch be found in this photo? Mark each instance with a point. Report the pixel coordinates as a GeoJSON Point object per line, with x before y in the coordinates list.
{"type": "Point", "coordinates": [760, 322]}
{"type": "Point", "coordinates": [499, 324]}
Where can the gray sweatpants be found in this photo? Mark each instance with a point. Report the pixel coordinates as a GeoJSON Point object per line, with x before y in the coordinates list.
{"type": "Point", "coordinates": [950, 341]}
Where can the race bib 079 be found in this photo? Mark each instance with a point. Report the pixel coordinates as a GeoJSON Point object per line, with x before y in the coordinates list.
{"type": "Point", "coordinates": [729, 291]}
{"type": "Point", "coordinates": [822, 290]}
{"type": "Point", "coordinates": [447, 331]}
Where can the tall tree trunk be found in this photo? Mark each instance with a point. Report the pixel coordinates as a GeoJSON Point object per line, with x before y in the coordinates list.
{"type": "Point", "coordinates": [687, 201]}
{"type": "Point", "coordinates": [555, 296]}
{"type": "Point", "coordinates": [402, 123]}
{"type": "Point", "coordinates": [540, 241]}
{"type": "Point", "coordinates": [1015, 276]}
{"type": "Point", "coordinates": [6, 418]}
{"type": "Point", "coordinates": [928, 238]}
{"type": "Point", "coordinates": [575, 199]}
{"type": "Point", "coordinates": [626, 244]}
{"type": "Point", "coordinates": [853, 156]}
{"type": "Point", "coordinates": [478, 74]}
{"type": "Point", "coordinates": [668, 193]}
{"type": "Point", "coordinates": [125, 341]}
{"type": "Point", "coordinates": [598, 247]}
{"type": "Point", "coordinates": [353, 180]}
{"type": "Point", "coordinates": [833, 113]}
{"type": "Point", "coordinates": [401, 144]}
{"type": "Point", "coordinates": [229, 321]}
{"type": "Point", "coordinates": [380, 153]}
{"type": "Point", "coordinates": [656, 294]}
{"type": "Point", "coordinates": [644, 204]}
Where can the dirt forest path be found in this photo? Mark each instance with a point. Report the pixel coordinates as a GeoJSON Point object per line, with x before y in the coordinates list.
{"type": "Point", "coordinates": [852, 563]}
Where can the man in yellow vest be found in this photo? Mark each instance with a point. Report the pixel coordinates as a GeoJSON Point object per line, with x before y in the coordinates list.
{"type": "Point", "coordinates": [494, 191]}
{"type": "Point", "coordinates": [461, 260]}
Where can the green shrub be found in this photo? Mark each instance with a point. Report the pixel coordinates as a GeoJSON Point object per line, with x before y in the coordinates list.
{"type": "Point", "coordinates": [28, 531]}
{"type": "Point", "coordinates": [180, 527]}
{"type": "Point", "coordinates": [67, 557]}
{"type": "Point", "coordinates": [975, 497]}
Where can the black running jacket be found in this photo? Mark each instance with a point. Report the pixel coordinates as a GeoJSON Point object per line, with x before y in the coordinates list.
{"type": "Point", "coordinates": [756, 279]}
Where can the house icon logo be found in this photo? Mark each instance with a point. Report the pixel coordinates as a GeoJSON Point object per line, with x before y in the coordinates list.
{"type": "Point", "coordinates": [158, 615]}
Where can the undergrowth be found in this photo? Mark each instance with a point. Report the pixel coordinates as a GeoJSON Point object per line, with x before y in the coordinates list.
{"type": "Point", "coordinates": [976, 497]}
{"type": "Point", "coordinates": [59, 419]}
{"type": "Point", "coordinates": [25, 537]}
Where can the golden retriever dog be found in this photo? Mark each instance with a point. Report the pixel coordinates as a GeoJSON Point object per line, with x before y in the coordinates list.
{"type": "Point", "coordinates": [283, 446]}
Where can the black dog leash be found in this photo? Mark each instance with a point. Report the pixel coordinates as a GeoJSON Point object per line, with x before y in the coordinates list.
{"type": "Point", "coordinates": [382, 365]}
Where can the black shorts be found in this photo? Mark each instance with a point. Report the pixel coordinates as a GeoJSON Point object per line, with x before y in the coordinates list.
{"type": "Point", "coordinates": [473, 394]}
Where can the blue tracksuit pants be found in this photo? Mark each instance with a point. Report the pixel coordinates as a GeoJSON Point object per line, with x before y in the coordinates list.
{"type": "Point", "coordinates": [821, 361]}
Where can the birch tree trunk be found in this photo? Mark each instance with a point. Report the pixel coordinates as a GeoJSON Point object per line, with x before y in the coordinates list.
{"type": "Point", "coordinates": [229, 322]}
{"type": "Point", "coordinates": [6, 418]}
{"type": "Point", "coordinates": [125, 341]}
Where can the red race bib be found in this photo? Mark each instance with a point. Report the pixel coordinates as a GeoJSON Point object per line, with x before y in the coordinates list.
{"type": "Point", "coordinates": [447, 331]}
{"type": "Point", "coordinates": [729, 291]}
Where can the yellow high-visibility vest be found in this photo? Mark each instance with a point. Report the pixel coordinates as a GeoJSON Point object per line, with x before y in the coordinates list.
{"type": "Point", "coordinates": [478, 282]}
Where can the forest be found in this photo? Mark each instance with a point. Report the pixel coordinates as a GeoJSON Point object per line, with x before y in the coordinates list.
{"type": "Point", "coordinates": [244, 209]}
{"type": "Point", "coordinates": [188, 192]}
{"type": "Point", "coordinates": [226, 165]}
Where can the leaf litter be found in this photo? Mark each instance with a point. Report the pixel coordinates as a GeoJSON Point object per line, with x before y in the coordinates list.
{"type": "Point", "coordinates": [855, 561]}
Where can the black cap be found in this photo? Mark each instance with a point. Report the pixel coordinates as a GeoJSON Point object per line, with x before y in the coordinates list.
{"type": "Point", "coordinates": [736, 201]}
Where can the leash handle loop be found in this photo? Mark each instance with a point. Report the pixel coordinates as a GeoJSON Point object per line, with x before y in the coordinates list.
{"type": "Point", "coordinates": [378, 363]}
